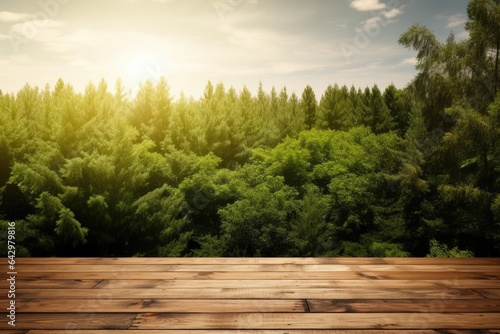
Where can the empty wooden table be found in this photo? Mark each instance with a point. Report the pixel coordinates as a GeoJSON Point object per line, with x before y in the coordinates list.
{"type": "Point", "coordinates": [252, 295]}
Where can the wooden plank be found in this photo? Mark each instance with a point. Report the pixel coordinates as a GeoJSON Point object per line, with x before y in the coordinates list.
{"type": "Point", "coordinates": [160, 305]}
{"type": "Point", "coordinates": [469, 284]}
{"type": "Point", "coordinates": [316, 321]}
{"type": "Point", "coordinates": [272, 284]}
{"type": "Point", "coordinates": [257, 260]}
{"type": "Point", "coordinates": [263, 275]}
{"type": "Point", "coordinates": [490, 293]}
{"type": "Point", "coordinates": [251, 267]}
{"type": "Point", "coordinates": [277, 293]}
{"type": "Point", "coordinates": [68, 321]}
{"type": "Point", "coordinates": [429, 275]}
{"type": "Point", "coordinates": [59, 284]}
{"type": "Point", "coordinates": [242, 331]}
{"type": "Point", "coordinates": [255, 305]}
{"type": "Point", "coordinates": [14, 331]}
{"type": "Point", "coordinates": [268, 295]}
{"type": "Point", "coordinates": [403, 306]}
{"type": "Point", "coordinates": [288, 284]}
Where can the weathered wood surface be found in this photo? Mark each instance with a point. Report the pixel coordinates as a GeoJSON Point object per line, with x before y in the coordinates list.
{"type": "Point", "coordinates": [254, 295]}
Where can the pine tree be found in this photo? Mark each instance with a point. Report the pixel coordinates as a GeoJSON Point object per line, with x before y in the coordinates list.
{"type": "Point", "coordinates": [308, 105]}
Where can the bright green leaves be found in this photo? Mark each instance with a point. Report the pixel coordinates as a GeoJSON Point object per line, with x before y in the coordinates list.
{"type": "Point", "coordinates": [51, 214]}
{"type": "Point", "coordinates": [383, 249]}
{"type": "Point", "coordinates": [256, 225]}
{"type": "Point", "coordinates": [69, 229]}
{"type": "Point", "coordinates": [438, 249]}
{"type": "Point", "coordinates": [336, 176]}
{"type": "Point", "coordinates": [422, 40]}
{"type": "Point", "coordinates": [309, 105]}
{"type": "Point", "coordinates": [484, 30]}
{"type": "Point", "coordinates": [450, 178]}
{"type": "Point", "coordinates": [35, 179]}
{"type": "Point", "coordinates": [334, 113]}
{"type": "Point", "coordinates": [293, 165]}
{"type": "Point", "coordinates": [364, 172]}
{"type": "Point", "coordinates": [159, 229]}
{"type": "Point", "coordinates": [310, 222]}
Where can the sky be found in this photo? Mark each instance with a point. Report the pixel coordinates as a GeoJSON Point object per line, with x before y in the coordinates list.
{"type": "Point", "coordinates": [280, 43]}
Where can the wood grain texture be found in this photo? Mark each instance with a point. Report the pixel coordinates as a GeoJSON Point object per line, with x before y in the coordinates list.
{"type": "Point", "coordinates": [230, 293]}
{"type": "Point", "coordinates": [263, 275]}
{"type": "Point", "coordinates": [259, 331]}
{"type": "Point", "coordinates": [259, 260]}
{"type": "Point", "coordinates": [288, 284]}
{"type": "Point", "coordinates": [316, 321]}
{"type": "Point", "coordinates": [163, 305]}
{"type": "Point", "coordinates": [330, 268]}
{"type": "Point", "coordinates": [71, 321]}
{"type": "Point", "coordinates": [397, 306]}
{"type": "Point", "coordinates": [273, 284]}
{"type": "Point", "coordinates": [254, 295]}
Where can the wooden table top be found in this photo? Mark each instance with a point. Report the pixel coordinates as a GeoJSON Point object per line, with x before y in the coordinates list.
{"type": "Point", "coordinates": [252, 295]}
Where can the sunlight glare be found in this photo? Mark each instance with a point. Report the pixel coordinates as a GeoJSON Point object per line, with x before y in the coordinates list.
{"type": "Point", "coordinates": [138, 68]}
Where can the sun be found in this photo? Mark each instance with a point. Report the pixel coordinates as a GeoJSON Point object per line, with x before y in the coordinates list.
{"type": "Point", "coordinates": [138, 68]}
{"type": "Point", "coordinates": [143, 66]}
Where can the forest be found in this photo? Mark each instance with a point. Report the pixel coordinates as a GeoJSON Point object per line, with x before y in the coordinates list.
{"type": "Point", "coordinates": [397, 172]}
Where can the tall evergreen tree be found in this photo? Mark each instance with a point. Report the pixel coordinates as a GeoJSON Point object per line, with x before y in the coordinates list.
{"type": "Point", "coordinates": [308, 105]}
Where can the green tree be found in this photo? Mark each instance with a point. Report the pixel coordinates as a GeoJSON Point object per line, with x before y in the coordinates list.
{"type": "Point", "coordinates": [399, 104]}
{"type": "Point", "coordinates": [257, 225]}
{"type": "Point", "coordinates": [484, 30]}
{"type": "Point", "coordinates": [308, 105]}
{"type": "Point", "coordinates": [333, 113]}
{"type": "Point", "coordinates": [380, 119]}
{"type": "Point", "coordinates": [441, 250]}
{"type": "Point", "coordinates": [310, 223]}
{"type": "Point", "coordinates": [161, 114]}
{"type": "Point", "coordinates": [159, 222]}
{"type": "Point", "coordinates": [452, 134]}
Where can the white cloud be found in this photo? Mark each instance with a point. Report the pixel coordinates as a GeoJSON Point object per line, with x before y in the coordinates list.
{"type": "Point", "coordinates": [463, 35]}
{"type": "Point", "coordinates": [36, 29]}
{"type": "Point", "coordinates": [381, 20]}
{"type": "Point", "coordinates": [192, 45]}
{"type": "Point", "coordinates": [14, 17]}
{"type": "Point", "coordinates": [393, 13]}
{"type": "Point", "coordinates": [259, 39]}
{"type": "Point", "coordinates": [289, 67]}
{"type": "Point", "coordinates": [4, 37]}
{"type": "Point", "coordinates": [456, 21]}
{"type": "Point", "coordinates": [409, 61]}
{"type": "Point", "coordinates": [72, 41]}
{"type": "Point", "coordinates": [365, 5]}
{"type": "Point", "coordinates": [453, 21]}
{"type": "Point", "coordinates": [371, 23]}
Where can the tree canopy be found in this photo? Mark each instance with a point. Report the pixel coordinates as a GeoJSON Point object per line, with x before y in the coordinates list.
{"type": "Point", "coordinates": [410, 171]}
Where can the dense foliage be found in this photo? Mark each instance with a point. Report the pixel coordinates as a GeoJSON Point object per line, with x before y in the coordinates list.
{"type": "Point", "coordinates": [397, 172]}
